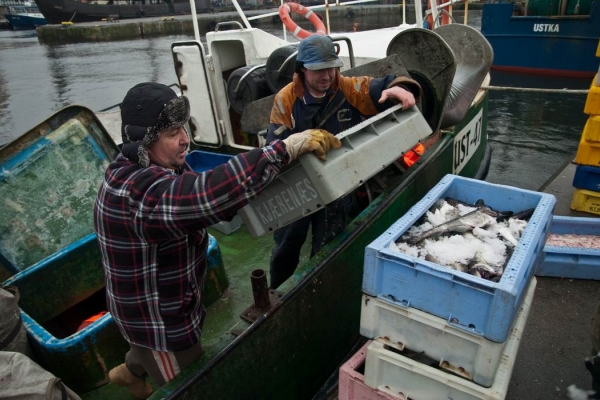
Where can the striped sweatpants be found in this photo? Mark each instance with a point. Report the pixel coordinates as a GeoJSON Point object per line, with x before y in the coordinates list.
{"type": "Point", "coordinates": [161, 366]}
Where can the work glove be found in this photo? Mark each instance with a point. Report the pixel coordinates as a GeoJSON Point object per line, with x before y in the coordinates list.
{"type": "Point", "coordinates": [318, 141]}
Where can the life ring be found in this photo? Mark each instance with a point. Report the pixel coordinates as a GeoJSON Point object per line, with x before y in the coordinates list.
{"type": "Point", "coordinates": [445, 17]}
{"type": "Point", "coordinates": [299, 33]}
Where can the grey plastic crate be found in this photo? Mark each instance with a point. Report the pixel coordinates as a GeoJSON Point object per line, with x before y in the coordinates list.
{"type": "Point", "coordinates": [228, 227]}
{"type": "Point", "coordinates": [310, 184]}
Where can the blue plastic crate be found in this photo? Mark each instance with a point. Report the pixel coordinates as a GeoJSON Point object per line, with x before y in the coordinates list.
{"type": "Point", "coordinates": [201, 161]}
{"type": "Point", "coordinates": [587, 177]}
{"type": "Point", "coordinates": [571, 262]}
{"type": "Point", "coordinates": [470, 303]}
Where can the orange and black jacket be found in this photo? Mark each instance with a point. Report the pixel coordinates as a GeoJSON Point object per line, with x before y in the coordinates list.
{"type": "Point", "coordinates": [295, 110]}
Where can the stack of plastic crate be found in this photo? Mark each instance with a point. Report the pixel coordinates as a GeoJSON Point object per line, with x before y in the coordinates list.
{"type": "Point", "coordinates": [439, 333]}
{"type": "Point", "coordinates": [587, 176]}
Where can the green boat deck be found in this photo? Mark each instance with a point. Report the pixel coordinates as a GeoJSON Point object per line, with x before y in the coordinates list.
{"type": "Point", "coordinates": [241, 254]}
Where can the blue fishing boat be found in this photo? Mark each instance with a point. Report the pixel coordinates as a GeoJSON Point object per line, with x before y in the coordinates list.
{"type": "Point", "coordinates": [544, 37]}
{"type": "Point", "coordinates": [26, 16]}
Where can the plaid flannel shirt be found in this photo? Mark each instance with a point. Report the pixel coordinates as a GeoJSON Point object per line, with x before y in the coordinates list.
{"type": "Point", "coordinates": [151, 227]}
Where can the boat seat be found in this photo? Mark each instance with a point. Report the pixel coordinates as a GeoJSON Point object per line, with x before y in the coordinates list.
{"type": "Point", "coordinates": [255, 118]}
{"type": "Point", "coordinates": [474, 56]}
{"type": "Point", "coordinates": [429, 61]}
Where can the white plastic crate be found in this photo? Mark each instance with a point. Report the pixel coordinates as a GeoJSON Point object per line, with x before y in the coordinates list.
{"type": "Point", "coordinates": [403, 377]}
{"type": "Point", "coordinates": [310, 184]}
{"type": "Point", "coordinates": [476, 305]}
{"type": "Point", "coordinates": [466, 354]}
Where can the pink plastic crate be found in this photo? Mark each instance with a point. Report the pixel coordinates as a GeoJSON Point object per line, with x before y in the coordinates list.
{"type": "Point", "coordinates": [352, 381]}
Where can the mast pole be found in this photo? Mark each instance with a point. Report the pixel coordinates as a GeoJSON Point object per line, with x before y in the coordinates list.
{"type": "Point", "coordinates": [195, 20]}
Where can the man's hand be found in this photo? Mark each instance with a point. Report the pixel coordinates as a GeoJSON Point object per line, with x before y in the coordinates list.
{"type": "Point", "coordinates": [318, 141]}
{"type": "Point", "coordinates": [400, 95]}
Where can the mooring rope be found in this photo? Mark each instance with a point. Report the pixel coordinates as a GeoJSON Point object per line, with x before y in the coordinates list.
{"type": "Point", "coordinates": [536, 90]}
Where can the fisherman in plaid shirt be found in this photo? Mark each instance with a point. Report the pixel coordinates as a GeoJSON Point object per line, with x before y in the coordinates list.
{"type": "Point", "coordinates": [151, 216]}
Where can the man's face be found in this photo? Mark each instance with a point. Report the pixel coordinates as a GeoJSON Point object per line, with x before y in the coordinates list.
{"type": "Point", "coordinates": [170, 149]}
{"type": "Point", "coordinates": [319, 81]}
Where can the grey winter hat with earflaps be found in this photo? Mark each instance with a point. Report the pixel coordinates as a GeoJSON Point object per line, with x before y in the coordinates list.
{"type": "Point", "coordinates": [147, 109]}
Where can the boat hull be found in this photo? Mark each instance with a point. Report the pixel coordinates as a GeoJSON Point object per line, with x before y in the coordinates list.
{"type": "Point", "coordinates": [291, 350]}
{"type": "Point", "coordinates": [57, 11]}
{"type": "Point", "coordinates": [19, 22]}
{"type": "Point", "coordinates": [555, 45]}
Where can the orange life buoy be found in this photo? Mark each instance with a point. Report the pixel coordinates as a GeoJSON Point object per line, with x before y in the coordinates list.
{"type": "Point", "coordinates": [292, 27]}
{"type": "Point", "coordinates": [445, 19]}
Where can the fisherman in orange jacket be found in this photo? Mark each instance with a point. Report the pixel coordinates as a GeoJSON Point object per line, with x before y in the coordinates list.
{"type": "Point", "coordinates": [319, 97]}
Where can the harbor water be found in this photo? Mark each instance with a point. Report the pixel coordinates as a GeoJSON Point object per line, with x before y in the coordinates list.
{"type": "Point", "coordinates": [532, 134]}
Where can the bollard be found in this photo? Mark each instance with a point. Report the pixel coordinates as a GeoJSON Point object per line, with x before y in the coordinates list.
{"type": "Point", "coordinates": [260, 289]}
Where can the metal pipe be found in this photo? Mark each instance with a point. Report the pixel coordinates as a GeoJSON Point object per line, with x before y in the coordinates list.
{"type": "Point", "coordinates": [403, 12]}
{"type": "Point", "coordinates": [327, 15]}
{"type": "Point", "coordinates": [448, 3]}
{"type": "Point", "coordinates": [418, 14]}
{"type": "Point", "coordinates": [240, 13]}
{"type": "Point", "coordinates": [347, 3]}
{"type": "Point", "coordinates": [282, 24]}
{"type": "Point", "coordinates": [195, 20]}
{"type": "Point", "coordinates": [434, 13]}
{"type": "Point", "coordinates": [260, 290]}
{"type": "Point", "coordinates": [251, 70]}
{"type": "Point", "coordinates": [285, 63]}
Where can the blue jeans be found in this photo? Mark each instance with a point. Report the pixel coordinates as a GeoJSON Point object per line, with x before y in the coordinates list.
{"type": "Point", "coordinates": [326, 224]}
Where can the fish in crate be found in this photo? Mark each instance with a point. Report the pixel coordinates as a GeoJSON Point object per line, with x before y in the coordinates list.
{"type": "Point", "coordinates": [470, 238]}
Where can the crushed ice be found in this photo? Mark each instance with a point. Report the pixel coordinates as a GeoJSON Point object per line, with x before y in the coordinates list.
{"type": "Point", "coordinates": [482, 251]}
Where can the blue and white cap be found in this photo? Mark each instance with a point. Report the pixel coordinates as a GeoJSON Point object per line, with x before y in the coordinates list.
{"type": "Point", "coordinates": [318, 52]}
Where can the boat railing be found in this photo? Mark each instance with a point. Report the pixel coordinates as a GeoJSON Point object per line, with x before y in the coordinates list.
{"type": "Point", "coordinates": [446, 8]}
{"type": "Point", "coordinates": [435, 10]}
{"type": "Point", "coordinates": [9, 3]}
{"type": "Point", "coordinates": [325, 6]}
{"type": "Point", "coordinates": [221, 24]}
{"type": "Point", "coordinates": [16, 10]}
{"type": "Point", "coordinates": [22, 9]}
